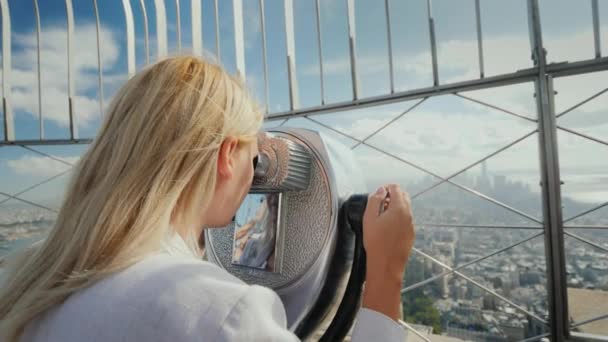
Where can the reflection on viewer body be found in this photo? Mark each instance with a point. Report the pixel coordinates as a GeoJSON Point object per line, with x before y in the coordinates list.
{"type": "Point", "coordinates": [255, 232]}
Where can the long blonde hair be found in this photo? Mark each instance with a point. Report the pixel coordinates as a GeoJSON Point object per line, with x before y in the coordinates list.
{"type": "Point", "coordinates": [154, 159]}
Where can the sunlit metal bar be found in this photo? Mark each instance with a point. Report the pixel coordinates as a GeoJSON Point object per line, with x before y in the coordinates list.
{"type": "Point", "coordinates": [32, 187]}
{"type": "Point", "coordinates": [586, 212]}
{"type": "Point", "coordinates": [28, 202]}
{"type": "Point", "coordinates": [320, 49]}
{"type": "Point", "coordinates": [350, 7]}
{"type": "Point", "coordinates": [506, 111]}
{"type": "Point", "coordinates": [596, 28]}
{"type": "Point", "coordinates": [487, 82]}
{"type": "Point", "coordinates": [479, 161]}
{"type": "Point", "coordinates": [417, 167]}
{"type": "Point", "coordinates": [146, 34]}
{"type": "Point", "coordinates": [479, 38]}
{"type": "Point", "coordinates": [479, 285]}
{"type": "Point", "coordinates": [99, 62]}
{"type": "Point", "coordinates": [9, 122]}
{"type": "Point", "coordinates": [409, 327]}
{"type": "Point", "coordinates": [590, 320]}
{"type": "Point", "coordinates": [582, 135]}
{"type": "Point", "coordinates": [387, 11]}
{"type": "Point", "coordinates": [582, 103]}
{"type": "Point", "coordinates": [291, 55]}
{"type": "Point", "coordinates": [197, 27]}
{"type": "Point", "coordinates": [161, 28]}
{"type": "Point", "coordinates": [590, 243]}
{"type": "Point", "coordinates": [38, 142]}
{"type": "Point", "coordinates": [218, 52]}
{"type": "Point", "coordinates": [577, 68]}
{"type": "Point", "coordinates": [71, 72]}
{"type": "Point", "coordinates": [178, 23]}
{"type": "Point", "coordinates": [126, 4]}
{"type": "Point", "coordinates": [473, 226]}
{"type": "Point", "coordinates": [239, 39]}
{"type": "Point", "coordinates": [264, 55]}
{"type": "Point", "coordinates": [550, 180]}
{"type": "Point", "coordinates": [433, 39]}
{"type": "Point", "coordinates": [576, 336]}
{"type": "Point", "coordinates": [39, 70]}
{"type": "Point", "coordinates": [465, 265]}
{"type": "Point", "coordinates": [408, 110]}
{"type": "Point", "coordinates": [536, 338]}
{"type": "Point", "coordinates": [585, 227]}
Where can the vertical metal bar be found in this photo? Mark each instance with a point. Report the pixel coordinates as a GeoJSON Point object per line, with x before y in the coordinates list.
{"type": "Point", "coordinates": [596, 28]}
{"type": "Point", "coordinates": [390, 44]}
{"type": "Point", "coordinates": [197, 27]}
{"type": "Point", "coordinates": [479, 38]}
{"type": "Point", "coordinates": [70, 20]}
{"type": "Point", "coordinates": [429, 8]}
{"type": "Point", "coordinates": [126, 4]}
{"type": "Point", "coordinates": [239, 39]}
{"type": "Point", "coordinates": [218, 52]}
{"type": "Point", "coordinates": [264, 54]}
{"type": "Point", "coordinates": [99, 62]}
{"type": "Point", "coordinates": [350, 7]}
{"type": "Point", "coordinates": [291, 55]}
{"type": "Point", "coordinates": [146, 34]}
{"type": "Point", "coordinates": [161, 27]}
{"type": "Point", "coordinates": [320, 50]}
{"type": "Point", "coordinates": [9, 123]}
{"type": "Point", "coordinates": [551, 189]}
{"type": "Point", "coordinates": [179, 26]}
{"type": "Point", "coordinates": [39, 70]}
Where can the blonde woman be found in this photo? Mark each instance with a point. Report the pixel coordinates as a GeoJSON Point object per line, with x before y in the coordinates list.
{"type": "Point", "coordinates": [122, 262]}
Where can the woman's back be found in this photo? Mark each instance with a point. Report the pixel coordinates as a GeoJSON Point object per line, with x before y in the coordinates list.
{"type": "Point", "coordinates": [162, 298]}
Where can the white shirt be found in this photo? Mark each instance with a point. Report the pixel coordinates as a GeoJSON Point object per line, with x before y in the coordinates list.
{"type": "Point", "coordinates": [175, 296]}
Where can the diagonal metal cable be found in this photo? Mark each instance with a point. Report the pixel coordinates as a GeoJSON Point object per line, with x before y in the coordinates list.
{"type": "Point", "coordinates": [389, 123]}
{"type": "Point", "coordinates": [581, 103]}
{"type": "Point", "coordinates": [410, 328]}
{"type": "Point", "coordinates": [586, 212]}
{"type": "Point", "coordinates": [582, 135]}
{"type": "Point", "coordinates": [506, 111]}
{"type": "Point", "coordinates": [470, 166]}
{"type": "Point", "coordinates": [582, 239]}
{"type": "Point", "coordinates": [483, 226]}
{"type": "Point", "coordinates": [586, 227]}
{"type": "Point", "coordinates": [590, 320]}
{"type": "Point", "coordinates": [283, 123]}
{"type": "Point", "coordinates": [481, 286]}
{"type": "Point", "coordinates": [46, 155]}
{"type": "Point", "coordinates": [36, 185]}
{"type": "Point", "coordinates": [465, 265]}
{"type": "Point", "coordinates": [28, 202]}
{"type": "Point", "coordinates": [458, 185]}
{"type": "Point", "coordinates": [535, 338]}
{"type": "Point", "coordinates": [16, 195]}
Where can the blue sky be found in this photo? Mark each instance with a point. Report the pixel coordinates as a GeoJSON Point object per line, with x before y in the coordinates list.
{"type": "Point", "coordinates": [444, 133]}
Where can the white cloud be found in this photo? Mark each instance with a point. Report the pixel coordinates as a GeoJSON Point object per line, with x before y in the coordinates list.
{"type": "Point", "coordinates": [39, 166]}
{"type": "Point", "coordinates": [503, 54]}
{"type": "Point", "coordinates": [54, 70]}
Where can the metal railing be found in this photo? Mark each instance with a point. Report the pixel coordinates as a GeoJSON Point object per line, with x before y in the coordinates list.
{"type": "Point", "coordinates": [551, 226]}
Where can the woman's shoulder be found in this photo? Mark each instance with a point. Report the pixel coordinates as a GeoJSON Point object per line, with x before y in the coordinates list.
{"type": "Point", "coordinates": [170, 281]}
{"type": "Point", "coordinates": [161, 297]}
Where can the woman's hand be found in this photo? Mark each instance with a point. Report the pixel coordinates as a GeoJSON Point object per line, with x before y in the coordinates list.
{"type": "Point", "coordinates": [388, 237]}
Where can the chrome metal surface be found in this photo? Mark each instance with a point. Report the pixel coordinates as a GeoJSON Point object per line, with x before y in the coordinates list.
{"type": "Point", "coordinates": [197, 27]}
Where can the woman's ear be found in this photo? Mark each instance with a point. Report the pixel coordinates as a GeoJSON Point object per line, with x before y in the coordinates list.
{"type": "Point", "coordinates": [225, 160]}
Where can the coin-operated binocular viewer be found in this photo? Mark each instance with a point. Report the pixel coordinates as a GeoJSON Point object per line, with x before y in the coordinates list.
{"type": "Point", "coordinates": [299, 231]}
